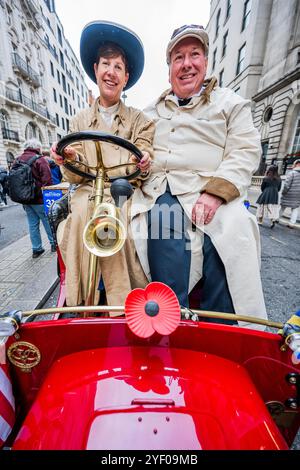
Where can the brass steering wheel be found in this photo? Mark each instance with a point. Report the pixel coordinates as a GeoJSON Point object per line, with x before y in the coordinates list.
{"type": "Point", "coordinates": [98, 137]}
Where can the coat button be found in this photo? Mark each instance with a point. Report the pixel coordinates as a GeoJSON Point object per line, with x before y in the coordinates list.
{"type": "Point", "coordinates": [172, 130]}
{"type": "Point", "coordinates": [167, 171]}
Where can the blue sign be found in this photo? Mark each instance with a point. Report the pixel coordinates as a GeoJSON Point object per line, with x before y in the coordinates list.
{"type": "Point", "coordinates": [50, 195]}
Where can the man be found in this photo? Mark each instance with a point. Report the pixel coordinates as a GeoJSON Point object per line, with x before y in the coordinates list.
{"type": "Point", "coordinates": [35, 210]}
{"type": "Point", "coordinates": [291, 193]}
{"type": "Point", "coordinates": [205, 152]}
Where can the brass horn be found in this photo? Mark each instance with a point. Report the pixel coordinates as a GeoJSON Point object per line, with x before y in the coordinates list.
{"type": "Point", "coordinates": [105, 233]}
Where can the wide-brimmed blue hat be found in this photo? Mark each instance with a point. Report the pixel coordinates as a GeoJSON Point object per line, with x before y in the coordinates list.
{"type": "Point", "coordinates": [97, 33]}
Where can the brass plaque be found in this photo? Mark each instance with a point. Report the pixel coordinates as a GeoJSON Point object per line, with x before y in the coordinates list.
{"type": "Point", "coordinates": [24, 355]}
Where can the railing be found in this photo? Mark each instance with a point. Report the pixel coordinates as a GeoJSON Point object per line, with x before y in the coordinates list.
{"type": "Point", "coordinates": [18, 97]}
{"type": "Point", "coordinates": [256, 180]}
{"type": "Point", "coordinates": [25, 69]}
{"type": "Point", "coordinates": [8, 134]}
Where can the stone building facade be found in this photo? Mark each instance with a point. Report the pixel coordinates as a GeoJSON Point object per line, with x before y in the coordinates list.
{"type": "Point", "coordinates": [255, 50]}
{"type": "Point", "coordinates": [41, 83]}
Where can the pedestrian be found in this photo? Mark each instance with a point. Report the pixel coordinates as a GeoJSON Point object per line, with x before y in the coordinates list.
{"type": "Point", "coordinates": [206, 150]}
{"type": "Point", "coordinates": [35, 210]}
{"type": "Point", "coordinates": [291, 193]}
{"type": "Point", "coordinates": [55, 171]}
{"type": "Point", "coordinates": [113, 57]}
{"type": "Point", "coordinates": [3, 186]}
{"type": "Point", "coordinates": [268, 206]}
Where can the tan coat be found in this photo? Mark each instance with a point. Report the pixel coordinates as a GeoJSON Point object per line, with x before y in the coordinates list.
{"type": "Point", "coordinates": [121, 272]}
{"type": "Point", "coordinates": [212, 147]}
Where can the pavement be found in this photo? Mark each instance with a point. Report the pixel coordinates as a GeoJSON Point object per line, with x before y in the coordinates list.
{"type": "Point", "coordinates": [26, 283]}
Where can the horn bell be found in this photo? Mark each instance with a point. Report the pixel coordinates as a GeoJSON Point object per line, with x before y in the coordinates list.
{"type": "Point", "coordinates": [105, 234]}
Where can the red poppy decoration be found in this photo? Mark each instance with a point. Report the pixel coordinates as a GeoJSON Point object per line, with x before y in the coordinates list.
{"type": "Point", "coordinates": [155, 308]}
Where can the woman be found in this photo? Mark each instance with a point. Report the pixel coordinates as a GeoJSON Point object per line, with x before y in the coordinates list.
{"type": "Point", "coordinates": [113, 57]}
{"type": "Point", "coordinates": [268, 206]}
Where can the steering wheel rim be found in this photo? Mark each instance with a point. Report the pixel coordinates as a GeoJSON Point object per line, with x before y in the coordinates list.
{"type": "Point", "coordinates": [98, 137]}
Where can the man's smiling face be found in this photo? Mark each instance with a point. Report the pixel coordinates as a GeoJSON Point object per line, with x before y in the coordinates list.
{"type": "Point", "coordinates": [187, 67]}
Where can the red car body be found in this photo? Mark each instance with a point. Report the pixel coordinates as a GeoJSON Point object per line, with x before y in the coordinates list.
{"type": "Point", "coordinates": [205, 386]}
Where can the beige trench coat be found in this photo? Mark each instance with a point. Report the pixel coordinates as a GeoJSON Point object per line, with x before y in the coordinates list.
{"type": "Point", "coordinates": [212, 147]}
{"type": "Point", "coordinates": [121, 272]}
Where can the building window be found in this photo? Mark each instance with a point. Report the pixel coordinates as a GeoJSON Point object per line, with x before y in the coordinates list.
{"type": "Point", "coordinates": [59, 35]}
{"type": "Point", "coordinates": [63, 123]}
{"type": "Point", "coordinates": [268, 114]}
{"type": "Point", "coordinates": [60, 101]}
{"type": "Point", "coordinates": [296, 143]}
{"type": "Point", "coordinates": [54, 95]}
{"type": "Point", "coordinates": [4, 120]}
{"type": "Point", "coordinates": [228, 9]}
{"type": "Point", "coordinates": [73, 96]}
{"type": "Point", "coordinates": [78, 101]}
{"type": "Point", "coordinates": [58, 76]}
{"type": "Point", "coordinates": [221, 76]}
{"type": "Point", "coordinates": [225, 37]}
{"type": "Point", "coordinates": [246, 16]}
{"type": "Point", "coordinates": [77, 83]}
{"type": "Point", "coordinates": [32, 132]}
{"type": "Point", "coordinates": [64, 83]}
{"type": "Point", "coordinates": [218, 23]}
{"type": "Point", "coordinates": [68, 125]}
{"type": "Point", "coordinates": [52, 68]}
{"type": "Point", "coordinates": [241, 59]}
{"type": "Point", "coordinates": [62, 61]}
{"type": "Point", "coordinates": [214, 59]}
{"type": "Point", "coordinates": [69, 91]}
{"type": "Point", "coordinates": [10, 159]}
{"type": "Point", "coordinates": [237, 90]}
{"type": "Point", "coordinates": [70, 108]}
{"type": "Point", "coordinates": [66, 105]}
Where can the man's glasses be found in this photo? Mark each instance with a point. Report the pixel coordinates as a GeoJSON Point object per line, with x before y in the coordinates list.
{"type": "Point", "coordinates": [183, 28]}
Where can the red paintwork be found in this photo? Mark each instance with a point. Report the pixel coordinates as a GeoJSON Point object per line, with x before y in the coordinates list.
{"type": "Point", "coordinates": [215, 379]}
{"type": "Point", "coordinates": [62, 278]}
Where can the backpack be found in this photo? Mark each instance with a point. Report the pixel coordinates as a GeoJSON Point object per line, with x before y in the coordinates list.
{"type": "Point", "coordinates": [21, 182]}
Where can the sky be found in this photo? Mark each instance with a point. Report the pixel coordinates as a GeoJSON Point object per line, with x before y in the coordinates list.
{"type": "Point", "coordinates": [153, 21]}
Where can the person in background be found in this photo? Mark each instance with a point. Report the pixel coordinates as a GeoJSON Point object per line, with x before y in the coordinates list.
{"type": "Point", "coordinates": [113, 57]}
{"type": "Point", "coordinates": [35, 210]}
{"type": "Point", "coordinates": [55, 171]}
{"type": "Point", "coordinates": [268, 206]}
{"type": "Point", "coordinates": [3, 186]}
{"type": "Point", "coordinates": [291, 193]}
{"type": "Point", "coordinates": [206, 150]}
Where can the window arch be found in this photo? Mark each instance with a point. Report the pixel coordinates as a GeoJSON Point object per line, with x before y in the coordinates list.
{"type": "Point", "coordinates": [10, 158]}
{"type": "Point", "coordinates": [32, 131]}
{"type": "Point", "coordinates": [4, 119]}
{"type": "Point", "coordinates": [296, 140]}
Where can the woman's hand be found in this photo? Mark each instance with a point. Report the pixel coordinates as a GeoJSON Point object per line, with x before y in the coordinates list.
{"type": "Point", "coordinates": [144, 164]}
{"type": "Point", "coordinates": [69, 152]}
{"type": "Point", "coordinates": [205, 209]}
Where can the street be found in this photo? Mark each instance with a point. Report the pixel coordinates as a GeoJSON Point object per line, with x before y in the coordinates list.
{"type": "Point", "coordinates": [280, 270]}
{"type": "Point", "coordinates": [13, 224]}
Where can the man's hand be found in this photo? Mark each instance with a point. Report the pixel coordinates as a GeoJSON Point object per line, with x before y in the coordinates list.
{"type": "Point", "coordinates": [144, 164]}
{"type": "Point", "coordinates": [69, 152]}
{"type": "Point", "coordinates": [205, 209]}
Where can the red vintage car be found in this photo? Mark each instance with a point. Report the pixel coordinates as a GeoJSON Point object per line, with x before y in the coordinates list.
{"type": "Point", "coordinates": [159, 377]}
